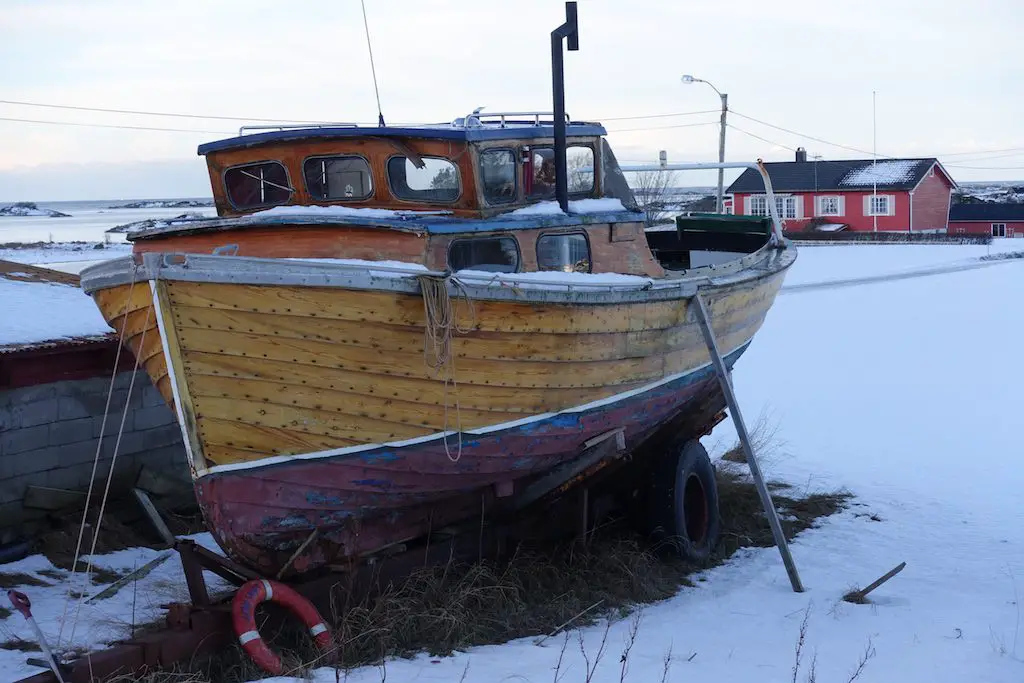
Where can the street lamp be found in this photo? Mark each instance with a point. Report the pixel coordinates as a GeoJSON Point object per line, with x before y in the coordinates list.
{"type": "Point", "coordinates": [687, 79]}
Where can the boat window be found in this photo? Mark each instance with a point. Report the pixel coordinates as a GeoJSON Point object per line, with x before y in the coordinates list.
{"type": "Point", "coordinates": [259, 184]}
{"type": "Point", "coordinates": [569, 253]}
{"type": "Point", "coordinates": [437, 181]}
{"type": "Point", "coordinates": [579, 163]}
{"type": "Point", "coordinates": [498, 175]}
{"type": "Point", "coordinates": [493, 254]}
{"type": "Point", "coordinates": [340, 177]}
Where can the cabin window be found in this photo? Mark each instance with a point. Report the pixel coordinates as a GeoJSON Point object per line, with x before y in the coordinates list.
{"type": "Point", "coordinates": [579, 164]}
{"type": "Point", "coordinates": [338, 178]}
{"type": "Point", "coordinates": [493, 254]}
{"type": "Point", "coordinates": [498, 175]}
{"type": "Point", "coordinates": [999, 229]}
{"type": "Point", "coordinates": [436, 181]}
{"type": "Point", "coordinates": [256, 185]}
{"type": "Point", "coordinates": [568, 253]}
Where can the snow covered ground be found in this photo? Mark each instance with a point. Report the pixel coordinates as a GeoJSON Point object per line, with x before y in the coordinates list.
{"type": "Point", "coordinates": [907, 393]}
{"type": "Point", "coordinates": [92, 624]}
{"type": "Point", "coordinates": [40, 311]}
{"type": "Point", "coordinates": [86, 224]}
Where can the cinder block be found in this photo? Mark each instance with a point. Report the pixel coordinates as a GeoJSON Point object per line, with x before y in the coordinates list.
{"type": "Point", "coordinates": [148, 418]}
{"type": "Point", "coordinates": [19, 440]}
{"type": "Point", "coordinates": [113, 423]}
{"type": "Point", "coordinates": [73, 477]}
{"type": "Point", "coordinates": [168, 458]}
{"type": "Point", "coordinates": [13, 489]}
{"type": "Point", "coordinates": [71, 408]}
{"type": "Point", "coordinates": [32, 414]}
{"type": "Point", "coordinates": [16, 397]}
{"type": "Point", "coordinates": [70, 431]}
{"type": "Point", "coordinates": [159, 437]}
{"type": "Point", "coordinates": [152, 397]}
{"type": "Point", "coordinates": [131, 442]}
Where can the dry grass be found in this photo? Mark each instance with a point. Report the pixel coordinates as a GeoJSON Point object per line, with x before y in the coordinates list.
{"type": "Point", "coordinates": [19, 644]}
{"type": "Point", "coordinates": [16, 579]}
{"type": "Point", "coordinates": [538, 591]}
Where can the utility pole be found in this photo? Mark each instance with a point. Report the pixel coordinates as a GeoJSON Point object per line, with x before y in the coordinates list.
{"type": "Point", "coordinates": [687, 78]}
{"type": "Point", "coordinates": [721, 153]}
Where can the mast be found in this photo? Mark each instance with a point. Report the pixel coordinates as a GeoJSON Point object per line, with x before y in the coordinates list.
{"type": "Point", "coordinates": [569, 31]}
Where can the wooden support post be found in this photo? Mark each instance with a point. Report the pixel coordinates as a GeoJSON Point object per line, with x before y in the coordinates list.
{"type": "Point", "coordinates": [154, 516]}
{"type": "Point", "coordinates": [704, 318]}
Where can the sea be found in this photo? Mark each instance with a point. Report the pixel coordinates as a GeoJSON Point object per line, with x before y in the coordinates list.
{"type": "Point", "coordinates": [88, 221]}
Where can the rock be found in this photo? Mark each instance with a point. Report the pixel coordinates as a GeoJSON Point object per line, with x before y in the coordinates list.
{"type": "Point", "coordinates": [165, 204]}
{"type": "Point", "coordinates": [157, 222]}
{"type": "Point", "coordinates": [30, 209]}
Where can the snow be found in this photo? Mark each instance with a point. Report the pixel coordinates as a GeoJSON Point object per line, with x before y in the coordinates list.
{"type": "Point", "coordinates": [882, 172]}
{"type": "Point", "coordinates": [30, 210]}
{"type": "Point", "coordinates": [346, 211]}
{"type": "Point", "coordinates": [831, 227]}
{"type": "Point", "coordinates": [37, 311]}
{"type": "Point", "coordinates": [551, 208]}
{"type": "Point", "coordinates": [556, 278]}
{"type": "Point", "coordinates": [884, 390]}
{"type": "Point", "coordinates": [376, 268]}
{"type": "Point", "coordinates": [99, 622]}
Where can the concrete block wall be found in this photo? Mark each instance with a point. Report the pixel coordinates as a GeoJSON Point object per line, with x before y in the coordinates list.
{"type": "Point", "coordinates": [49, 435]}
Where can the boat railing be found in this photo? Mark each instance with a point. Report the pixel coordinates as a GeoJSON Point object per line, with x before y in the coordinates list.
{"type": "Point", "coordinates": [295, 126]}
{"type": "Point", "coordinates": [773, 211]}
{"type": "Point", "coordinates": [503, 119]}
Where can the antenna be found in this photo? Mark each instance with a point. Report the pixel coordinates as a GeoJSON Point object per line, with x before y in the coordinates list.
{"type": "Point", "coordinates": [874, 160]}
{"type": "Point", "coordinates": [373, 70]}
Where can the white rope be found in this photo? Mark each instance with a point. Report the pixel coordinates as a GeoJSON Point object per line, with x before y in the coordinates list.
{"type": "Point", "coordinates": [96, 458]}
{"type": "Point", "coordinates": [441, 320]}
{"type": "Point", "coordinates": [113, 463]}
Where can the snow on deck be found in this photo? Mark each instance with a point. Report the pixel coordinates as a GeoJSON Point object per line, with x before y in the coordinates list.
{"type": "Point", "coordinates": [882, 173]}
{"type": "Point", "coordinates": [32, 312]}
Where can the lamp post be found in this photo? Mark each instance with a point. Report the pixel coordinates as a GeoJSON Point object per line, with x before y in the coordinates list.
{"type": "Point", "coordinates": [687, 78]}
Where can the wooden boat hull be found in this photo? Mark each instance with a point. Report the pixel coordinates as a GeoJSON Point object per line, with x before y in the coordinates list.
{"type": "Point", "coordinates": [308, 404]}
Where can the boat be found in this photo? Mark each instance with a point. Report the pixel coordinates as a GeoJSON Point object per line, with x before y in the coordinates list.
{"type": "Point", "coordinates": [386, 330]}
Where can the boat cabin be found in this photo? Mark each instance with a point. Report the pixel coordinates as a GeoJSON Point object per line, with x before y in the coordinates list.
{"type": "Point", "coordinates": [477, 193]}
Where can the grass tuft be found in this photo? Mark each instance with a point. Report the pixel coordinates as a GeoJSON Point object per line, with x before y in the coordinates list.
{"type": "Point", "coordinates": [16, 579]}
{"type": "Point", "coordinates": [19, 644]}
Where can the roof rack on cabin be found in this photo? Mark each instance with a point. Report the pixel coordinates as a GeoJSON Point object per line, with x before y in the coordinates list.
{"type": "Point", "coordinates": [294, 126]}
{"type": "Point", "coordinates": [504, 118]}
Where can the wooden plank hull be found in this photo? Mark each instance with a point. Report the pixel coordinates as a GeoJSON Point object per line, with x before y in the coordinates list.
{"type": "Point", "coordinates": [361, 502]}
{"type": "Point", "coordinates": [315, 407]}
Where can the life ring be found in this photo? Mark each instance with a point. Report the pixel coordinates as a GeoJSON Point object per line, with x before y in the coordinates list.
{"type": "Point", "coordinates": [243, 617]}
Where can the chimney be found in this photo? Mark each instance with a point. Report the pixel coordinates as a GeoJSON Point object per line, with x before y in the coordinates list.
{"type": "Point", "coordinates": [801, 154]}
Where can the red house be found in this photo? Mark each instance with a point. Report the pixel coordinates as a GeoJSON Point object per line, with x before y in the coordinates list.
{"type": "Point", "coordinates": [888, 195]}
{"type": "Point", "coordinates": [998, 220]}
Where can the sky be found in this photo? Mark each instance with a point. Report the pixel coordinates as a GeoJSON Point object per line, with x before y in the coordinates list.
{"type": "Point", "coordinates": [946, 77]}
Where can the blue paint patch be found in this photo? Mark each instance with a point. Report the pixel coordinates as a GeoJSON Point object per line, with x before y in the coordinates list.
{"type": "Point", "coordinates": [378, 483]}
{"type": "Point", "coordinates": [374, 457]}
{"type": "Point", "coordinates": [317, 498]}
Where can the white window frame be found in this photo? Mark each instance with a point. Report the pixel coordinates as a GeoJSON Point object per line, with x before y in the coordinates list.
{"type": "Point", "coordinates": [819, 205]}
{"type": "Point", "coordinates": [790, 207]}
{"type": "Point", "coordinates": [996, 229]}
{"type": "Point", "coordinates": [890, 205]}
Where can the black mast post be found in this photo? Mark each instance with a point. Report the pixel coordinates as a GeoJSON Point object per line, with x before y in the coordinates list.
{"type": "Point", "coordinates": [569, 31]}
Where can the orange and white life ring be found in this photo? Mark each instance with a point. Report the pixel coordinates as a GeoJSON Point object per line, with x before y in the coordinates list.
{"type": "Point", "coordinates": [243, 617]}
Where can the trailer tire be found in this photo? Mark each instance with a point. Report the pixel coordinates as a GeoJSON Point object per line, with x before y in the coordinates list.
{"type": "Point", "coordinates": [684, 502]}
{"type": "Point", "coordinates": [243, 617]}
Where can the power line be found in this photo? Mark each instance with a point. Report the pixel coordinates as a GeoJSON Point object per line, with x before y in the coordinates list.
{"type": "Point", "coordinates": [680, 125]}
{"type": "Point", "coordinates": [982, 151]}
{"type": "Point", "coordinates": [803, 135]}
{"type": "Point", "coordinates": [770, 142]}
{"type": "Point", "coordinates": [988, 168]}
{"type": "Point", "coordinates": [109, 125]}
{"type": "Point", "coordinates": [151, 113]}
{"type": "Point", "coordinates": [657, 116]}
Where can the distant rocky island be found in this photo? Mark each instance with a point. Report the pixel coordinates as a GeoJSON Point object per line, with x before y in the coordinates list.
{"type": "Point", "coordinates": [165, 204]}
{"type": "Point", "coordinates": [30, 209]}
{"type": "Point", "coordinates": [157, 222]}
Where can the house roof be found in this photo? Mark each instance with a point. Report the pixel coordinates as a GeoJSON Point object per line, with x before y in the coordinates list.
{"type": "Point", "coordinates": [987, 212]}
{"type": "Point", "coordinates": [838, 176]}
{"type": "Point", "coordinates": [458, 130]}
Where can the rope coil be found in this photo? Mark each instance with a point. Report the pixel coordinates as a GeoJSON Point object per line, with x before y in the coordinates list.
{"type": "Point", "coordinates": [441, 321]}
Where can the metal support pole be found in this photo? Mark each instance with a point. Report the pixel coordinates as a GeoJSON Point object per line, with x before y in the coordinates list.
{"type": "Point", "coordinates": [568, 30]}
{"type": "Point", "coordinates": [704, 318]}
{"type": "Point", "coordinates": [721, 154]}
